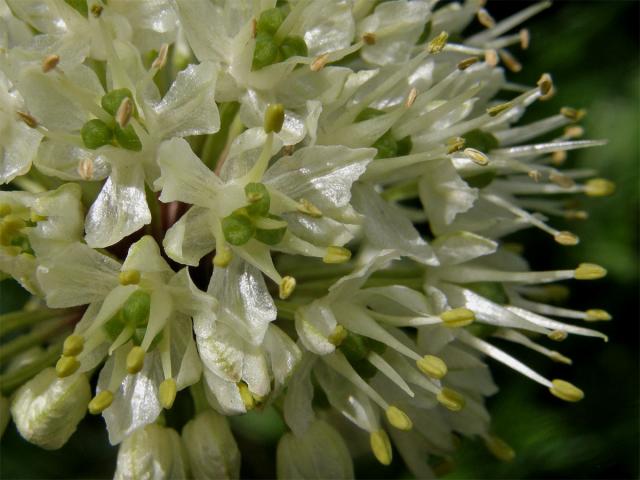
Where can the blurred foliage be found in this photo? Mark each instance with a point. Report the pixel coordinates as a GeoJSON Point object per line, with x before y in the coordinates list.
{"type": "Point", "coordinates": [592, 51]}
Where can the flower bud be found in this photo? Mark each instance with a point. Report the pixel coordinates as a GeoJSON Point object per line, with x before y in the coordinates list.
{"type": "Point", "coordinates": [318, 453]}
{"type": "Point", "coordinates": [151, 452]}
{"type": "Point", "coordinates": [210, 446]}
{"type": "Point", "coordinates": [47, 409]}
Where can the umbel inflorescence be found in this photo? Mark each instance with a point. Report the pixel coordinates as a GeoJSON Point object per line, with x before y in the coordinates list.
{"type": "Point", "coordinates": [296, 205]}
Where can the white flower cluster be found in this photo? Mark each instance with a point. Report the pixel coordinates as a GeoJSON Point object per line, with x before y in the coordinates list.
{"type": "Point", "coordinates": [154, 147]}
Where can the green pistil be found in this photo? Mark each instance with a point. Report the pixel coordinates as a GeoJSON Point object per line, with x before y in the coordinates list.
{"type": "Point", "coordinates": [268, 50]}
{"type": "Point", "coordinates": [134, 315]}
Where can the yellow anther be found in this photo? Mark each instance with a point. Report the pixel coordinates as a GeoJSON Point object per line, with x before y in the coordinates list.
{"type": "Point", "coordinates": [319, 62]}
{"type": "Point", "coordinates": [398, 418]}
{"type": "Point", "coordinates": [573, 114]}
{"type": "Point", "coordinates": [129, 277]}
{"type": "Point", "coordinates": [451, 399]}
{"type": "Point", "coordinates": [411, 98]}
{"type": "Point", "coordinates": [458, 317]}
{"type": "Point", "coordinates": [167, 393]}
{"type": "Point", "coordinates": [273, 118]}
{"type": "Point", "coordinates": [510, 61]}
{"type": "Point", "coordinates": [558, 357]}
{"type": "Point", "coordinates": [566, 391]}
{"type": "Point", "coordinates": [455, 144]}
{"type": "Point", "coordinates": [477, 156]}
{"type": "Point", "coordinates": [5, 209]}
{"type": "Point", "coordinates": [491, 57]}
{"type": "Point", "coordinates": [338, 335]}
{"type": "Point", "coordinates": [100, 402]}
{"type": "Point", "coordinates": [161, 59]}
{"type": "Point", "coordinates": [96, 10]}
{"type": "Point", "coordinates": [50, 62]}
{"type": "Point", "coordinates": [125, 110]}
{"type": "Point", "coordinates": [596, 314]}
{"type": "Point", "coordinates": [557, 335]}
{"type": "Point", "coordinates": [573, 131]}
{"type": "Point", "coordinates": [381, 446]}
{"type": "Point", "coordinates": [432, 366]}
{"type": "Point", "coordinates": [525, 38]}
{"type": "Point", "coordinates": [467, 62]}
{"type": "Point", "coordinates": [499, 448]}
{"type": "Point", "coordinates": [589, 271]}
{"type": "Point", "coordinates": [599, 187]}
{"type": "Point", "coordinates": [35, 218]}
{"type": "Point", "coordinates": [73, 345]}
{"type": "Point", "coordinates": [485, 18]}
{"type": "Point", "coordinates": [336, 255]}
{"type": "Point", "coordinates": [438, 43]}
{"type": "Point", "coordinates": [67, 365]}
{"type": "Point", "coordinates": [576, 215]}
{"type": "Point", "coordinates": [135, 360]}
{"type": "Point", "coordinates": [559, 157]}
{"type": "Point", "coordinates": [287, 286]}
{"type": "Point", "coordinates": [369, 38]}
{"type": "Point", "coordinates": [29, 120]}
{"type": "Point", "coordinates": [308, 208]}
{"type": "Point", "coordinates": [223, 257]}
{"type": "Point", "coordinates": [498, 109]}
{"type": "Point", "coordinates": [566, 238]}
{"type": "Point", "coordinates": [247, 398]}
{"type": "Point", "coordinates": [545, 84]}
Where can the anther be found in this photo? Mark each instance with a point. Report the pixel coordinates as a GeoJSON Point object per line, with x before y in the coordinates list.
{"type": "Point", "coordinates": [485, 18]}
{"type": "Point", "coordinates": [562, 180]}
{"type": "Point", "coordinates": [223, 257]}
{"type": "Point", "coordinates": [467, 62]}
{"type": "Point", "coordinates": [28, 119]}
{"type": "Point", "coordinates": [559, 157]}
{"type": "Point", "coordinates": [596, 315]}
{"type": "Point", "coordinates": [576, 215]}
{"type": "Point", "coordinates": [85, 168]}
{"type": "Point", "coordinates": [369, 38]}
{"type": "Point", "coordinates": [458, 317]}
{"type": "Point", "coordinates": [338, 335]}
{"type": "Point", "coordinates": [510, 61]}
{"type": "Point", "coordinates": [73, 345]}
{"type": "Point", "coordinates": [381, 446]}
{"type": "Point", "coordinates": [525, 38]}
{"type": "Point", "coordinates": [336, 255]}
{"type": "Point", "coordinates": [245, 395]}
{"type": "Point", "coordinates": [432, 366]}
{"type": "Point", "coordinates": [161, 59]}
{"type": "Point", "coordinates": [135, 360]}
{"type": "Point", "coordinates": [498, 109]}
{"type": "Point", "coordinates": [35, 217]}
{"type": "Point", "coordinates": [566, 391]}
{"type": "Point", "coordinates": [566, 238]}
{"type": "Point", "coordinates": [287, 286]}
{"type": "Point", "coordinates": [589, 271]}
{"type": "Point", "coordinates": [124, 112]}
{"type": "Point", "coordinates": [545, 84]}
{"type": "Point", "coordinates": [573, 114]}
{"type": "Point", "coordinates": [319, 62]}
{"type": "Point", "coordinates": [451, 399]}
{"type": "Point", "coordinates": [96, 10]}
{"type": "Point", "coordinates": [254, 28]}
{"type": "Point", "coordinates": [534, 175]}
{"type": "Point", "coordinates": [438, 43]}
{"type": "Point", "coordinates": [413, 93]}
{"type": "Point", "coordinates": [129, 277]}
{"type": "Point", "coordinates": [308, 208]}
{"type": "Point", "coordinates": [599, 187]}
{"type": "Point", "coordinates": [476, 156]}
{"type": "Point", "coordinates": [499, 448]}
{"type": "Point", "coordinates": [50, 62]}
{"type": "Point", "coordinates": [573, 131]}
{"type": "Point", "coordinates": [67, 365]}
{"type": "Point", "coordinates": [455, 144]}
{"type": "Point", "coordinates": [557, 335]}
{"type": "Point", "coordinates": [167, 393]}
{"type": "Point", "coordinates": [274, 118]}
{"type": "Point", "coordinates": [398, 418]}
{"type": "Point", "coordinates": [100, 402]}
{"type": "Point", "coordinates": [558, 357]}
{"type": "Point", "coordinates": [491, 57]}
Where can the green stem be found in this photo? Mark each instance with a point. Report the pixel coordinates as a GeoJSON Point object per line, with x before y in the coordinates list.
{"type": "Point", "coordinates": [10, 322]}
{"type": "Point", "coordinates": [36, 337]}
{"type": "Point", "coordinates": [12, 380]}
{"type": "Point", "coordinates": [215, 144]}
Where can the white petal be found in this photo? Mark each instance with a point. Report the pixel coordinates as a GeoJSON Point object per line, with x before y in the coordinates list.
{"type": "Point", "coordinates": [460, 247]}
{"type": "Point", "coordinates": [191, 237]}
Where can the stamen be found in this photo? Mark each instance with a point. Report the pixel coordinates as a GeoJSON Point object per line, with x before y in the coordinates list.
{"type": "Point", "coordinates": [458, 317]}
{"type": "Point", "coordinates": [67, 365]}
{"type": "Point", "coordinates": [319, 62]}
{"type": "Point", "coordinates": [73, 345]}
{"type": "Point", "coordinates": [388, 371]}
{"type": "Point", "coordinates": [451, 399]}
{"type": "Point", "coordinates": [485, 18]}
{"type": "Point", "coordinates": [135, 360]}
{"type": "Point", "coordinates": [100, 402]}
{"type": "Point", "coordinates": [573, 131]}
{"type": "Point", "coordinates": [413, 93]}
{"type": "Point", "coordinates": [437, 44]}
{"type": "Point", "coordinates": [596, 314]}
{"type": "Point", "coordinates": [50, 62]}
{"type": "Point", "coordinates": [589, 271]}
{"type": "Point", "coordinates": [167, 393]}
{"type": "Point", "coordinates": [274, 118]}
{"type": "Point", "coordinates": [525, 38]}
{"type": "Point", "coordinates": [573, 114]}
{"type": "Point", "coordinates": [562, 180]}
{"type": "Point", "coordinates": [498, 109]}
{"type": "Point", "coordinates": [566, 391]}
{"type": "Point", "coordinates": [599, 187]}
{"type": "Point", "coordinates": [96, 10]}
{"type": "Point", "coordinates": [545, 84]}
{"type": "Point", "coordinates": [308, 208]}
{"type": "Point", "coordinates": [336, 255]}
{"type": "Point", "coordinates": [223, 255]}
{"type": "Point", "coordinates": [398, 418]}
{"type": "Point", "coordinates": [29, 120]}
{"type": "Point", "coordinates": [559, 157]}
{"type": "Point", "coordinates": [338, 335]}
{"type": "Point", "coordinates": [85, 168]}
{"type": "Point", "coordinates": [432, 366]}
{"type": "Point", "coordinates": [467, 62]}
{"type": "Point", "coordinates": [369, 38]}
{"type": "Point", "coordinates": [566, 238]}
{"type": "Point", "coordinates": [246, 396]}
{"type": "Point", "coordinates": [499, 448]}
{"type": "Point", "coordinates": [287, 286]}
{"type": "Point", "coordinates": [477, 156]}
{"type": "Point", "coordinates": [161, 59]}
{"type": "Point", "coordinates": [557, 335]}
{"type": "Point", "coordinates": [455, 144]}
{"type": "Point", "coordinates": [381, 446]}
{"type": "Point", "coordinates": [510, 61]}
{"type": "Point", "coordinates": [129, 277]}
{"type": "Point", "coordinates": [491, 57]}
{"type": "Point", "coordinates": [124, 112]}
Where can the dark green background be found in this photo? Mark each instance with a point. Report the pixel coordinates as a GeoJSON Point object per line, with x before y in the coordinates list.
{"type": "Point", "coordinates": [592, 51]}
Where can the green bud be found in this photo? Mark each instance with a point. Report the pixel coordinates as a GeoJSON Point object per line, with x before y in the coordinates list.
{"type": "Point", "coordinates": [271, 236]}
{"type": "Point", "coordinates": [95, 133]}
{"type": "Point", "coordinates": [294, 46]}
{"type": "Point", "coordinates": [269, 21]}
{"type": "Point", "coordinates": [259, 199]}
{"type": "Point", "coordinates": [79, 5]}
{"type": "Point", "coordinates": [367, 114]}
{"type": "Point", "coordinates": [238, 229]}
{"type": "Point", "coordinates": [127, 138]}
{"type": "Point", "coordinates": [273, 118]}
{"type": "Point", "coordinates": [386, 145]}
{"type": "Point", "coordinates": [480, 140]}
{"type": "Point", "coordinates": [265, 53]}
{"type": "Point", "coordinates": [135, 311]}
{"type": "Point", "coordinates": [111, 101]}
